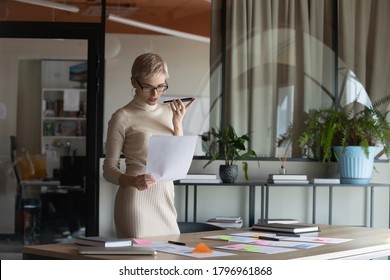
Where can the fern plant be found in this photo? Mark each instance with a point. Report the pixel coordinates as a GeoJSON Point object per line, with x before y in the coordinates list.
{"type": "Point", "coordinates": [368, 126]}
{"type": "Point", "coordinates": [229, 146]}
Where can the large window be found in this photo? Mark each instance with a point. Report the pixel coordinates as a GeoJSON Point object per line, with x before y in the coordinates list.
{"type": "Point", "coordinates": [277, 59]}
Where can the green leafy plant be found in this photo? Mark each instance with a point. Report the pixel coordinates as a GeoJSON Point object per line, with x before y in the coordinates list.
{"type": "Point", "coordinates": [356, 126]}
{"type": "Point", "coordinates": [226, 144]}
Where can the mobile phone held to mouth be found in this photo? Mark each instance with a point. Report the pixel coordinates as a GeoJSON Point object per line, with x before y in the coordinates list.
{"type": "Point", "coordinates": [187, 99]}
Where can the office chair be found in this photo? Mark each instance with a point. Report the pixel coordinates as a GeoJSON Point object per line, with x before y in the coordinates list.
{"type": "Point", "coordinates": [27, 210]}
{"type": "Point", "coordinates": [186, 227]}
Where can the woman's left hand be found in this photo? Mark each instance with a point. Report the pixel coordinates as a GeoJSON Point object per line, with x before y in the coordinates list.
{"type": "Point", "coordinates": [179, 110]}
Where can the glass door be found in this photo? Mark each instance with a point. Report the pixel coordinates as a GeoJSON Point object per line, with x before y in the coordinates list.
{"type": "Point", "coordinates": [50, 76]}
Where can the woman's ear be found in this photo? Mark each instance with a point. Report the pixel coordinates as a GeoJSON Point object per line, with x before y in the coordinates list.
{"type": "Point", "coordinates": [133, 82]}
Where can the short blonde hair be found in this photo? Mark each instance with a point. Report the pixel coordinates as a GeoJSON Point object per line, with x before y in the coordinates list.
{"type": "Point", "coordinates": [148, 65]}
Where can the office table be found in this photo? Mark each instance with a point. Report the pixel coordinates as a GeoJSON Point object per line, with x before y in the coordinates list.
{"type": "Point", "coordinates": [366, 243]}
{"type": "Point", "coordinates": [249, 184]}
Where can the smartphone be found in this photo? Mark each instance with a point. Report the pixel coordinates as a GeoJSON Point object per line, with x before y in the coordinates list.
{"type": "Point", "coordinates": [187, 99]}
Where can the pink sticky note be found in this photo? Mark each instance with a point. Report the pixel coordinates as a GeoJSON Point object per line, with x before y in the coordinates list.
{"type": "Point", "coordinates": [262, 243]}
{"type": "Point", "coordinates": [142, 241]}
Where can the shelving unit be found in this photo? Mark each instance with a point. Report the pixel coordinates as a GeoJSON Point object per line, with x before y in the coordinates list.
{"type": "Point", "coordinates": [60, 126]}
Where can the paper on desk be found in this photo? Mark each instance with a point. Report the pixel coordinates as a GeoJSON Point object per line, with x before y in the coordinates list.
{"type": "Point", "coordinates": [169, 157]}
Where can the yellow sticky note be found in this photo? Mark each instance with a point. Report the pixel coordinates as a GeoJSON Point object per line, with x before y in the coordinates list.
{"type": "Point", "coordinates": [202, 249]}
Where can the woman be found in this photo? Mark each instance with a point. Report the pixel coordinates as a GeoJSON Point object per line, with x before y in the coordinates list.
{"type": "Point", "coordinates": [143, 207]}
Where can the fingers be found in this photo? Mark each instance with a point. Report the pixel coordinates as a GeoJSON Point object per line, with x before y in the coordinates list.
{"type": "Point", "coordinates": [144, 181]}
{"type": "Point", "coordinates": [178, 107]}
{"type": "Point", "coordinates": [188, 105]}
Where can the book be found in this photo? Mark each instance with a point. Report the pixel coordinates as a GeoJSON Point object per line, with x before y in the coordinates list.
{"type": "Point", "coordinates": [200, 181]}
{"type": "Point", "coordinates": [278, 221]}
{"type": "Point", "coordinates": [287, 176]}
{"type": "Point", "coordinates": [223, 221]}
{"type": "Point", "coordinates": [230, 225]}
{"type": "Point", "coordinates": [90, 250]}
{"type": "Point", "coordinates": [200, 176]}
{"type": "Point", "coordinates": [325, 181]}
{"type": "Point", "coordinates": [287, 181]}
{"type": "Point", "coordinates": [291, 228]}
{"type": "Point", "coordinates": [230, 218]}
{"type": "Point", "coordinates": [100, 241]}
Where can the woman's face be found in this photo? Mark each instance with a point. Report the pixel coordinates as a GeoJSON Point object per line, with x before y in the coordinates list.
{"type": "Point", "coordinates": [150, 90]}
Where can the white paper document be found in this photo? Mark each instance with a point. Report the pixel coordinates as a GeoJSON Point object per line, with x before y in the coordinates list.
{"type": "Point", "coordinates": [169, 157]}
{"type": "Point", "coordinates": [71, 100]}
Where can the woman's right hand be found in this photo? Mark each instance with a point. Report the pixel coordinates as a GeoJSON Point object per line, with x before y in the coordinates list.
{"type": "Point", "coordinates": [144, 181]}
{"type": "Point", "coordinates": [140, 182]}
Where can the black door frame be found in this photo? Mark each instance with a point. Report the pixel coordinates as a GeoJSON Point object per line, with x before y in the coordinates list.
{"type": "Point", "coordinates": [94, 33]}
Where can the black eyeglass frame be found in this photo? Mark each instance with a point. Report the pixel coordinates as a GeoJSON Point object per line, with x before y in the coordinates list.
{"type": "Point", "coordinates": [150, 88]}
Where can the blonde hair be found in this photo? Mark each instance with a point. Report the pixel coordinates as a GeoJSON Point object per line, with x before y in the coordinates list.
{"type": "Point", "coordinates": [148, 65]}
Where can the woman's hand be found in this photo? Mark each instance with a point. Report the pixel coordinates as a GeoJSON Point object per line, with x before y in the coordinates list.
{"type": "Point", "coordinates": [144, 181]}
{"type": "Point", "coordinates": [141, 182]}
{"type": "Point", "coordinates": [179, 110]}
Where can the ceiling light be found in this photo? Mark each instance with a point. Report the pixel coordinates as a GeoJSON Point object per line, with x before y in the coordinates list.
{"type": "Point", "coordinates": [53, 5]}
{"type": "Point", "coordinates": [158, 28]}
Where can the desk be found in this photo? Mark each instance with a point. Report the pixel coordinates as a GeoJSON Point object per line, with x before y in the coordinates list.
{"type": "Point", "coordinates": [370, 186]}
{"type": "Point", "coordinates": [252, 190]}
{"type": "Point", "coordinates": [47, 203]}
{"type": "Point", "coordinates": [367, 243]}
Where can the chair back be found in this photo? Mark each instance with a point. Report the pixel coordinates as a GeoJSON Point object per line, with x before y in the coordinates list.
{"type": "Point", "coordinates": [13, 149]}
{"type": "Point", "coordinates": [186, 227]}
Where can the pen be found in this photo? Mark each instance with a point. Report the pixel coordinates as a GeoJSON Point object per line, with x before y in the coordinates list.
{"type": "Point", "coordinates": [177, 243]}
{"type": "Point", "coordinates": [182, 99]}
{"type": "Point", "coordinates": [268, 238]}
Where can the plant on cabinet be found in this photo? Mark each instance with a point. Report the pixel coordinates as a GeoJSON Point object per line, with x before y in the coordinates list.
{"type": "Point", "coordinates": [226, 144]}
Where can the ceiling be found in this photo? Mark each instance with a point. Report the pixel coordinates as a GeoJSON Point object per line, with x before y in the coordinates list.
{"type": "Point", "coordinates": [190, 16]}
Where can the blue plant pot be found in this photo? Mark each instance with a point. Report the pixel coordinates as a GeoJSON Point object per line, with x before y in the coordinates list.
{"type": "Point", "coordinates": [228, 173]}
{"type": "Point", "coordinates": [354, 166]}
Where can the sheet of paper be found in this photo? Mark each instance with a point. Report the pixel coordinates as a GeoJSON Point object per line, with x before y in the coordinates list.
{"type": "Point", "coordinates": [71, 100]}
{"type": "Point", "coordinates": [302, 238]}
{"type": "Point", "coordinates": [185, 250]}
{"type": "Point", "coordinates": [256, 248]}
{"type": "Point", "coordinates": [169, 157]}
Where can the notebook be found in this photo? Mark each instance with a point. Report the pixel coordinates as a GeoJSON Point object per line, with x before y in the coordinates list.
{"type": "Point", "coordinates": [292, 228]}
{"type": "Point", "coordinates": [89, 250]}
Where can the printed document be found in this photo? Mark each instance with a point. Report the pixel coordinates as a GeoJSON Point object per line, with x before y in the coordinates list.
{"type": "Point", "coordinates": [169, 157]}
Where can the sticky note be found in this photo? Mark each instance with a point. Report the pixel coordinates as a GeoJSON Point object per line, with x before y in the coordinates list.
{"type": "Point", "coordinates": [202, 249]}
{"type": "Point", "coordinates": [142, 241]}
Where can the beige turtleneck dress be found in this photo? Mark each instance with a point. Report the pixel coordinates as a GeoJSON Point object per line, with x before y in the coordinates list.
{"type": "Point", "coordinates": [139, 213]}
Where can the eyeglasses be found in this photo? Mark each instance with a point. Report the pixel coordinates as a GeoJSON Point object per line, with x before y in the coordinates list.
{"type": "Point", "coordinates": [150, 89]}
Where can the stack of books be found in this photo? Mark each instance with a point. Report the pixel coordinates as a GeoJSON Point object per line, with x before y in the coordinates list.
{"type": "Point", "coordinates": [100, 241]}
{"type": "Point", "coordinates": [287, 179]}
{"type": "Point", "coordinates": [278, 221]}
{"type": "Point", "coordinates": [287, 228]}
{"type": "Point", "coordinates": [200, 178]}
{"type": "Point", "coordinates": [325, 181]}
{"type": "Point", "coordinates": [226, 222]}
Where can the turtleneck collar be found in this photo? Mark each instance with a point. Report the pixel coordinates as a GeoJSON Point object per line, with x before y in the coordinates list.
{"type": "Point", "coordinates": [142, 105]}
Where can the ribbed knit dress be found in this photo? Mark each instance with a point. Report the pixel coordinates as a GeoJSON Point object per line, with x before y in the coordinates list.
{"type": "Point", "coordinates": [139, 213]}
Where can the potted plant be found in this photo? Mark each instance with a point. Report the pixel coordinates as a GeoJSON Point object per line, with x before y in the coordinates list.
{"type": "Point", "coordinates": [225, 143]}
{"type": "Point", "coordinates": [334, 134]}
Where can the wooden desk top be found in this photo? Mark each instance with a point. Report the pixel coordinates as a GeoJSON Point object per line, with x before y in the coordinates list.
{"type": "Point", "coordinates": [367, 243]}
